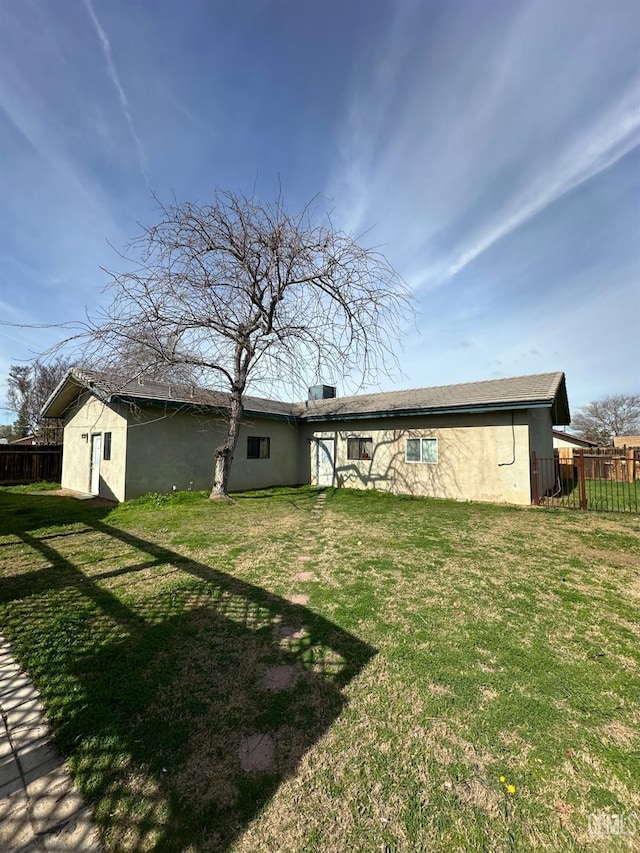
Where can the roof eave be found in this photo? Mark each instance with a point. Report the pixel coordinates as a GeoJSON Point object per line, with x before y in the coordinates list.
{"type": "Point", "coordinates": [435, 410]}
{"type": "Point", "coordinates": [58, 401]}
{"type": "Point", "coordinates": [193, 405]}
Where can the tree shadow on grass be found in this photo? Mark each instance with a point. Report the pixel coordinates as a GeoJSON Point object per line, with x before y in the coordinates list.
{"type": "Point", "coordinates": [154, 690]}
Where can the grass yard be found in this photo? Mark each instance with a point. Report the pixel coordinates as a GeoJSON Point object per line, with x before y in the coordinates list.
{"type": "Point", "coordinates": [466, 677]}
{"type": "Point", "coordinates": [613, 496]}
{"type": "Point", "coordinates": [602, 496]}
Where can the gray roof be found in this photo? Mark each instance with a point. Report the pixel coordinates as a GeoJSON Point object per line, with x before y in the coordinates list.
{"type": "Point", "coordinates": [543, 389]}
{"type": "Point", "coordinates": [111, 386]}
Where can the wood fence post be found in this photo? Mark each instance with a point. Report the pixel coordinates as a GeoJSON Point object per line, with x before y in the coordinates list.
{"type": "Point", "coordinates": [582, 480]}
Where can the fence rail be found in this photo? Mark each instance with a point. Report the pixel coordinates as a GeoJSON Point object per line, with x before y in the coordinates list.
{"type": "Point", "coordinates": [608, 482]}
{"type": "Point", "coordinates": [29, 464]}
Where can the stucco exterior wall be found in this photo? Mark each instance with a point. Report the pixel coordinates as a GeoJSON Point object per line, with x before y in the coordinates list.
{"type": "Point", "coordinates": [281, 469]}
{"type": "Point", "coordinates": [87, 417]}
{"type": "Point", "coordinates": [169, 448]}
{"type": "Point", "coordinates": [483, 457]}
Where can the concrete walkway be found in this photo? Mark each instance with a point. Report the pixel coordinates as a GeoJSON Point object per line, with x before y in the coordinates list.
{"type": "Point", "coordinates": [40, 810]}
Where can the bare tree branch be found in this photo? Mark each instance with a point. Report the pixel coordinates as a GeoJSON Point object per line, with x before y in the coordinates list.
{"type": "Point", "coordinates": [240, 293]}
{"type": "Point", "coordinates": [602, 419]}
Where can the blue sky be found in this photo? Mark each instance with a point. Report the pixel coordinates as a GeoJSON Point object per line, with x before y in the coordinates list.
{"type": "Point", "coordinates": [492, 148]}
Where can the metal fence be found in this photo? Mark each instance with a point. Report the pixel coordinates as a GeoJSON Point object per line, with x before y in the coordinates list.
{"type": "Point", "coordinates": [606, 479]}
{"type": "Point", "coordinates": [30, 463]}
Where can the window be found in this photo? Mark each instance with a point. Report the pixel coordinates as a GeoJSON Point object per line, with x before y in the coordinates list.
{"type": "Point", "coordinates": [422, 450]}
{"type": "Point", "coordinates": [106, 452]}
{"type": "Point", "coordinates": [258, 447]}
{"type": "Point", "coordinates": [359, 448]}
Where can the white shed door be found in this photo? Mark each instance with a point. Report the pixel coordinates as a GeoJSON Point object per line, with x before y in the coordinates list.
{"type": "Point", "coordinates": [96, 455]}
{"type": "Point", "coordinates": [326, 458]}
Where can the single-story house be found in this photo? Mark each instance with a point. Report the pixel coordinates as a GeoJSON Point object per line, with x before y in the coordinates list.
{"type": "Point", "coordinates": [472, 441]}
{"type": "Point", "coordinates": [30, 440]}
{"type": "Point", "coordinates": [626, 440]}
{"type": "Point", "coordinates": [565, 440]}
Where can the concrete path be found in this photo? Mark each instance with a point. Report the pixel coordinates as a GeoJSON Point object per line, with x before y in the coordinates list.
{"type": "Point", "coordinates": [40, 810]}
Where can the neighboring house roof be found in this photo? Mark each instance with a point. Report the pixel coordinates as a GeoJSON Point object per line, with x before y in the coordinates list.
{"type": "Point", "coordinates": [543, 390]}
{"type": "Point", "coordinates": [573, 439]}
{"type": "Point", "coordinates": [626, 440]}
{"type": "Point", "coordinates": [29, 439]}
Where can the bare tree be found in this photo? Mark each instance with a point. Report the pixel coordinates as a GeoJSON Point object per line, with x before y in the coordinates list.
{"type": "Point", "coordinates": [602, 419]}
{"type": "Point", "coordinates": [245, 293]}
{"type": "Point", "coordinates": [28, 387]}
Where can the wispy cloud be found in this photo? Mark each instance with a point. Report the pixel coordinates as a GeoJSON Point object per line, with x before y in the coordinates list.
{"type": "Point", "coordinates": [615, 135]}
{"type": "Point", "coordinates": [459, 136]}
{"type": "Point", "coordinates": [115, 79]}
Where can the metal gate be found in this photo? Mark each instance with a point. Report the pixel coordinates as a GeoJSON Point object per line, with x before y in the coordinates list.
{"type": "Point", "coordinates": [605, 480]}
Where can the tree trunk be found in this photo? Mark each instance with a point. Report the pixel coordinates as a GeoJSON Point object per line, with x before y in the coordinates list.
{"type": "Point", "coordinates": [223, 456]}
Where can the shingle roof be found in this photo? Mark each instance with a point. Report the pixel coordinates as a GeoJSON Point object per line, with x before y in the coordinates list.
{"type": "Point", "coordinates": [109, 386]}
{"type": "Point", "coordinates": [518, 392]}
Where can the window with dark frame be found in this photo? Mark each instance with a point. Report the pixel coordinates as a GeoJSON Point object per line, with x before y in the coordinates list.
{"type": "Point", "coordinates": [258, 447]}
{"type": "Point", "coordinates": [359, 448]}
{"type": "Point", "coordinates": [106, 451]}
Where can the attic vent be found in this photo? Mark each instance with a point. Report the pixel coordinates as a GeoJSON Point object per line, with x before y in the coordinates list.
{"type": "Point", "coordinates": [322, 392]}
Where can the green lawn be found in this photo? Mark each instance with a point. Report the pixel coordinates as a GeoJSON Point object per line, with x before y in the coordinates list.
{"type": "Point", "coordinates": [613, 496]}
{"type": "Point", "coordinates": [444, 647]}
{"type": "Point", "coordinates": [602, 496]}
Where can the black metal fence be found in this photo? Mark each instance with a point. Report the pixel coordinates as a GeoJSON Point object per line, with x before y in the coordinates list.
{"type": "Point", "coordinates": [30, 463]}
{"type": "Point", "coordinates": [607, 480]}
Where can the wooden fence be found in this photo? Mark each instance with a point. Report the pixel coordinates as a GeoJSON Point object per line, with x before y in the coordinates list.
{"type": "Point", "coordinates": [30, 463]}
{"type": "Point", "coordinates": [621, 464]}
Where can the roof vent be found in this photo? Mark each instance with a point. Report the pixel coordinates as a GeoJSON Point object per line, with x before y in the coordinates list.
{"type": "Point", "coordinates": [322, 392]}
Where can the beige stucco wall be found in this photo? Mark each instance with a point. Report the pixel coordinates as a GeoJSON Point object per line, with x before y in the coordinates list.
{"type": "Point", "coordinates": [481, 457]}
{"type": "Point", "coordinates": [281, 469]}
{"type": "Point", "coordinates": [88, 416]}
{"type": "Point", "coordinates": [169, 448]}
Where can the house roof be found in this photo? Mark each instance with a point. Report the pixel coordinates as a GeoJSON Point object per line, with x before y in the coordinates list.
{"type": "Point", "coordinates": [110, 386]}
{"type": "Point", "coordinates": [521, 392]}
{"type": "Point", "coordinates": [626, 440]}
{"type": "Point", "coordinates": [546, 390]}
{"type": "Point", "coordinates": [574, 439]}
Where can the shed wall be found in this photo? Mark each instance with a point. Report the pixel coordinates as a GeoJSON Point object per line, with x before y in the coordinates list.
{"type": "Point", "coordinates": [88, 416]}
